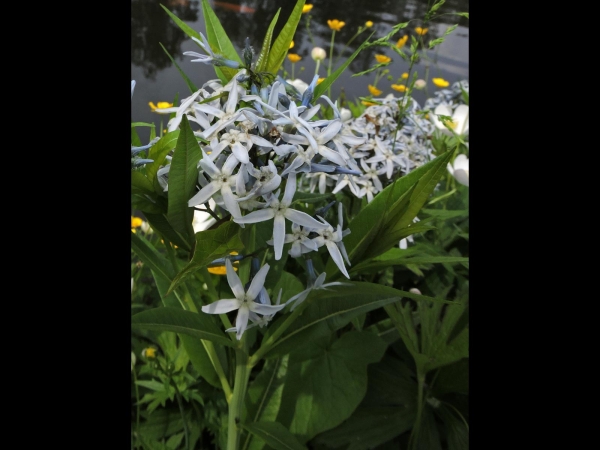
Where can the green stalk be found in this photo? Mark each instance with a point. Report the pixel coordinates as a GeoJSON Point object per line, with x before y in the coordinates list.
{"type": "Point", "coordinates": [180, 403]}
{"type": "Point", "coordinates": [330, 60]}
{"type": "Point", "coordinates": [414, 435]}
{"type": "Point", "coordinates": [137, 408]}
{"type": "Point", "coordinates": [242, 374]}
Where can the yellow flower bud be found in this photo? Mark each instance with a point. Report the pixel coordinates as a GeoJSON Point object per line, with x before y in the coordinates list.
{"type": "Point", "coordinates": [318, 54]}
{"type": "Point", "coordinates": [368, 24]}
{"type": "Point", "coordinates": [306, 8]}
{"type": "Point", "coordinates": [293, 57]}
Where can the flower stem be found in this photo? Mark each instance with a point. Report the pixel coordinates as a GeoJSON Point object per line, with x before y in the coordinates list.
{"type": "Point", "coordinates": [330, 60]}
{"type": "Point", "coordinates": [137, 409]}
{"type": "Point", "coordinates": [414, 435]}
{"type": "Point", "coordinates": [242, 374]}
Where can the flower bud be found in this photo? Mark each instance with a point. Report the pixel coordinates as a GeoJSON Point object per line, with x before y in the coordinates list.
{"type": "Point", "coordinates": [149, 353]}
{"type": "Point", "coordinates": [414, 291]}
{"type": "Point", "coordinates": [420, 84]}
{"type": "Point", "coordinates": [318, 54]}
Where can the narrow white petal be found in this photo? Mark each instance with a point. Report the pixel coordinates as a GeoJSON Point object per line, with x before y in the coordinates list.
{"type": "Point", "coordinates": [332, 156]}
{"type": "Point", "coordinates": [240, 153]}
{"type": "Point", "coordinates": [334, 251]}
{"type": "Point", "coordinates": [234, 281]}
{"type": "Point", "coordinates": [257, 282]}
{"type": "Point", "coordinates": [265, 309]}
{"type": "Point", "coordinates": [230, 202]}
{"type": "Point", "coordinates": [241, 321]}
{"type": "Point", "coordinates": [301, 218]}
{"type": "Point", "coordinates": [329, 131]}
{"type": "Point", "coordinates": [221, 306]}
{"type": "Point", "coordinates": [278, 235]}
{"type": "Point", "coordinates": [256, 216]}
{"type": "Point", "coordinates": [204, 194]}
{"type": "Point", "coordinates": [290, 189]}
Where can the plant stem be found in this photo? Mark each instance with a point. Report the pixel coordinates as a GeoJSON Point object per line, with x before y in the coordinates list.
{"type": "Point", "coordinates": [180, 403]}
{"type": "Point", "coordinates": [242, 374]}
{"type": "Point", "coordinates": [414, 435]}
{"type": "Point", "coordinates": [137, 409]}
{"type": "Point", "coordinates": [330, 60]}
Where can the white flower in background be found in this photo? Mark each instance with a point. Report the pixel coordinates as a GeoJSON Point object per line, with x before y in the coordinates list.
{"type": "Point", "coordinates": [243, 301]}
{"type": "Point", "coordinates": [460, 169]}
{"type": "Point", "coordinates": [403, 244]}
{"type": "Point", "coordinates": [460, 119]}
{"type": "Point", "coordinates": [279, 211]}
{"type": "Point", "coordinates": [318, 54]}
{"type": "Point", "coordinates": [300, 85]}
{"type": "Point", "coordinates": [345, 114]}
{"type": "Point", "coordinates": [132, 355]}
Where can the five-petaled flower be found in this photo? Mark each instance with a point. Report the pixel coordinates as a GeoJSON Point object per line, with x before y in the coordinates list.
{"type": "Point", "coordinates": [293, 57]}
{"type": "Point", "coordinates": [373, 90]}
{"type": "Point", "coordinates": [381, 59]}
{"type": "Point", "coordinates": [402, 41]}
{"type": "Point", "coordinates": [306, 8]}
{"type": "Point", "coordinates": [160, 105]}
{"type": "Point", "coordinates": [421, 31]}
{"type": "Point", "coordinates": [335, 24]}
{"type": "Point", "coordinates": [399, 87]}
{"type": "Point", "coordinates": [440, 82]}
{"type": "Point", "coordinates": [243, 301]}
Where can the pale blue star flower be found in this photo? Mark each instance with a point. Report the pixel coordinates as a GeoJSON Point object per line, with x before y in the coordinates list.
{"type": "Point", "coordinates": [244, 300]}
{"type": "Point", "coordinates": [318, 284]}
{"type": "Point", "coordinates": [279, 211]}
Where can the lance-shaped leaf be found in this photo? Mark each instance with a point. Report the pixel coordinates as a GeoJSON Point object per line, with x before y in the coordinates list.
{"type": "Point", "coordinates": [275, 435]}
{"type": "Point", "coordinates": [183, 177]}
{"type": "Point", "coordinates": [151, 257]}
{"type": "Point", "coordinates": [327, 82]}
{"type": "Point", "coordinates": [140, 184]}
{"type": "Point", "coordinates": [329, 310]}
{"type": "Point", "coordinates": [210, 245]}
{"type": "Point", "coordinates": [198, 325]}
{"type": "Point", "coordinates": [282, 43]}
{"type": "Point", "coordinates": [160, 223]}
{"type": "Point", "coordinates": [192, 87]}
{"type": "Point", "coordinates": [263, 57]}
{"type": "Point", "coordinates": [158, 153]}
{"type": "Point", "coordinates": [376, 265]}
{"type": "Point", "coordinates": [393, 208]}
{"type": "Point", "coordinates": [219, 42]}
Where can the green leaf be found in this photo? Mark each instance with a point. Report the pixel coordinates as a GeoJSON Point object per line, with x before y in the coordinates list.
{"type": "Point", "coordinates": [308, 197]}
{"type": "Point", "coordinates": [144, 204]}
{"type": "Point", "coordinates": [140, 183]}
{"type": "Point", "coordinates": [210, 245]}
{"type": "Point", "coordinates": [330, 310]}
{"type": "Point", "coordinates": [160, 223]}
{"type": "Point", "coordinates": [195, 348]}
{"type": "Point", "coordinates": [219, 42]}
{"type": "Point", "coordinates": [378, 265]}
{"type": "Point", "coordinates": [151, 257]}
{"type": "Point", "coordinates": [456, 430]}
{"type": "Point", "coordinates": [388, 409]}
{"type": "Point", "coordinates": [261, 62]}
{"type": "Point", "coordinates": [198, 325]}
{"type": "Point", "coordinates": [326, 382]}
{"type": "Point", "coordinates": [192, 87]}
{"type": "Point", "coordinates": [393, 208]}
{"type": "Point", "coordinates": [183, 177]}
{"type": "Point", "coordinates": [263, 398]}
{"type": "Point", "coordinates": [324, 85]}
{"type": "Point", "coordinates": [159, 151]}
{"type": "Point", "coordinates": [282, 43]}
{"type": "Point", "coordinates": [275, 435]}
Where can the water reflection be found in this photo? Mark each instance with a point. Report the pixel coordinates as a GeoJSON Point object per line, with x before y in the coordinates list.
{"type": "Point", "coordinates": [158, 80]}
{"type": "Point", "coordinates": [150, 24]}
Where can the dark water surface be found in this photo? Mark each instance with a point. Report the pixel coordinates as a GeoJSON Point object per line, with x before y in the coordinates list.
{"type": "Point", "coordinates": [157, 79]}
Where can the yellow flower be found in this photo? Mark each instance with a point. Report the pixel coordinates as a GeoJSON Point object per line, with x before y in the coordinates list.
{"type": "Point", "coordinates": [367, 103]}
{"type": "Point", "coordinates": [368, 24]}
{"type": "Point", "coordinates": [136, 222]}
{"type": "Point", "coordinates": [306, 8]}
{"type": "Point", "coordinates": [373, 90]}
{"type": "Point", "coordinates": [399, 87]}
{"type": "Point", "coordinates": [320, 80]}
{"type": "Point", "coordinates": [335, 24]}
{"type": "Point", "coordinates": [382, 58]}
{"type": "Point", "coordinates": [291, 44]}
{"type": "Point", "coordinates": [160, 105]}
{"type": "Point", "coordinates": [421, 31]}
{"type": "Point", "coordinates": [149, 353]}
{"type": "Point", "coordinates": [402, 41]}
{"type": "Point", "coordinates": [404, 76]}
{"type": "Point", "coordinates": [440, 82]}
{"type": "Point", "coordinates": [293, 57]}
